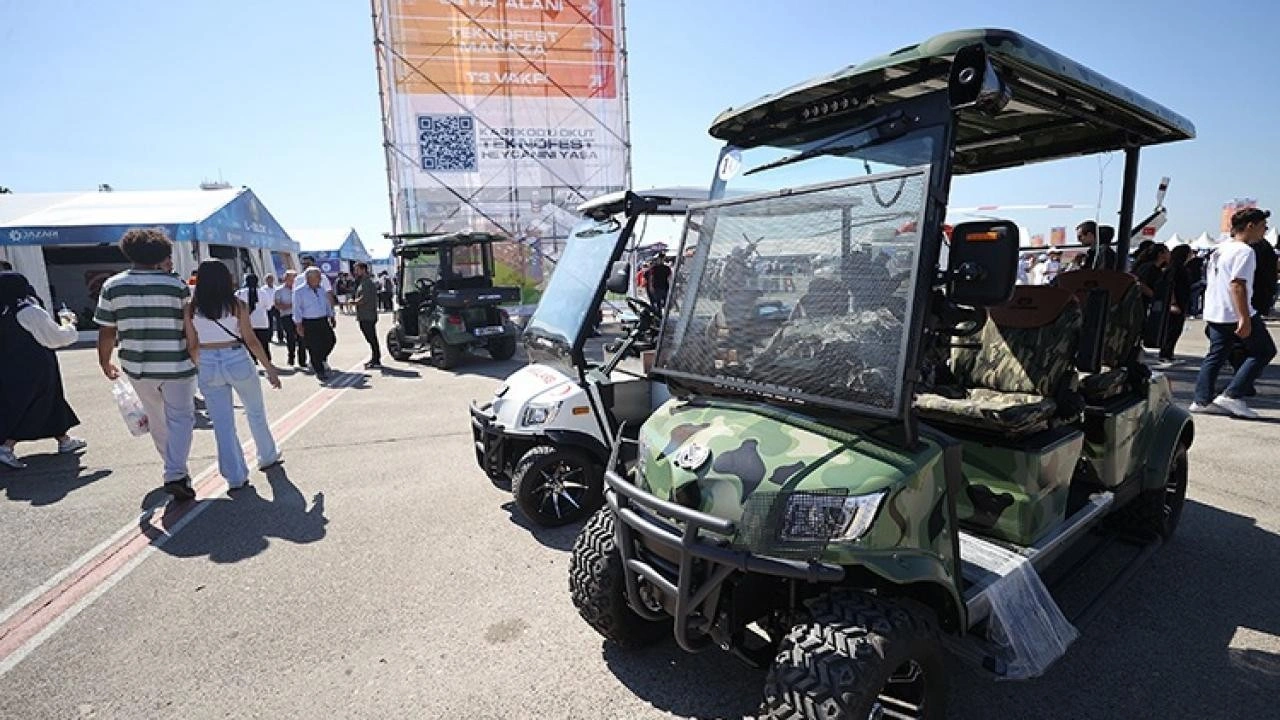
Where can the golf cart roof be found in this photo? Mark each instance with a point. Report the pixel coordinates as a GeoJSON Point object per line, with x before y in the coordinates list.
{"type": "Point", "coordinates": [422, 241]}
{"type": "Point", "coordinates": [1060, 108]}
{"type": "Point", "coordinates": [661, 201]}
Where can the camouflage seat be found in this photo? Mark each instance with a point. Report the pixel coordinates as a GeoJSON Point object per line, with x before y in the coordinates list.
{"type": "Point", "coordinates": [1125, 316]}
{"type": "Point", "coordinates": [1015, 378]}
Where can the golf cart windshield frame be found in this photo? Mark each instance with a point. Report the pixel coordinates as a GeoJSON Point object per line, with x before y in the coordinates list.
{"type": "Point", "coordinates": [546, 346]}
{"type": "Point", "coordinates": [444, 251]}
{"type": "Point", "coordinates": [542, 342]}
{"type": "Point", "coordinates": [929, 114]}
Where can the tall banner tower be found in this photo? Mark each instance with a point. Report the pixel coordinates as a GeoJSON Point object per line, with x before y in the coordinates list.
{"type": "Point", "coordinates": [502, 115]}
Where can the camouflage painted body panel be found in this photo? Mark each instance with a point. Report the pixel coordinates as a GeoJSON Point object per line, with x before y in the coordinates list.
{"type": "Point", "coordinates": [1017, 494]}
{"type": "Point", "coordinates": [755, 450]}
{"type": "Point", "coordinates": [1111, 442]}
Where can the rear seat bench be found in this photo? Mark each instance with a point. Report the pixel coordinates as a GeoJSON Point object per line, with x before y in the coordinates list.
{"type": "Point", "coordinates": [1125, 314]}
{"type": "Point", "coordinates": [1017, 375]}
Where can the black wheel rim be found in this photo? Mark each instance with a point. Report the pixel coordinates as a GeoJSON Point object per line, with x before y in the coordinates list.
{"type": "Point", "coordinates": [903, 694]}
{"type": "Point", "coordinates": [560, 489]}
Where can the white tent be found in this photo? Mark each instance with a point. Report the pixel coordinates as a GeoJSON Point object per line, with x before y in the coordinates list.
{"type": "Point", "coordinates": [1174, 241]}
{"type": "Point", "coordinates": [1204, 242]}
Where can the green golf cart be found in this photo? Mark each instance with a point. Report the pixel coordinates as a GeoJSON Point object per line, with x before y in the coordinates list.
{"type": "Point", "coordinates": [447, 302]}
{"type": "Point", "coordinates": [895, 469]}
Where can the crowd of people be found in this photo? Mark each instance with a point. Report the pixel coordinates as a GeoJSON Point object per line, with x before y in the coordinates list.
{"type": "Point", "coordinates": [173, 336]}
{"type": "Point", "coordinates": [175, 340]}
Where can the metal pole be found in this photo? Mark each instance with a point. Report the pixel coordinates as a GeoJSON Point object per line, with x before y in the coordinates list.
{"type": "Point", "coordinates": [1127, 194]}
{"type": "Point", "coordinates": [626, 94]}
{"type": "Point", "coordinates": [383, 108]}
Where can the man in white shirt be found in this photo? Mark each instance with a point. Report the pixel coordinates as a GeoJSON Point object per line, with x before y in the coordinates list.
{"type": "Point", "coordinates": [1228, 317]}
{"type": "Point", "coordinates": [1046, 272]}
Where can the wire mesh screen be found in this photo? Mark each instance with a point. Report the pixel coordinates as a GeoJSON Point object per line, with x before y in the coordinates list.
{"type": "Point", "coordinates": [798, 526]}
{"type": "Point", "coordinates": [803, 295]}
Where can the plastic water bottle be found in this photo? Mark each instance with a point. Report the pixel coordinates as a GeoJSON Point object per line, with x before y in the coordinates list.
{"type": "Point", "coordinates": [66, 316]}
{"type": "Point", "coordinates": [135, 416]}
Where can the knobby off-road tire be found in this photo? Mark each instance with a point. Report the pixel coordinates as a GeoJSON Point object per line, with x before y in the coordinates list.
{"type": "Point", "coordinates": [502, 348]}
{"type": "Point", "coordinates": [537, 470]}
{"type": "Point", "coordinates": [599, 590]}
{"type": "Point", "coordinates": [1157, 512]}
{"type": "Point", "coordinates": [443, 355]}
{"type": "Point", "coordinates": [852, 657]}
{"type": "Point", "coordinates": [394, 348]}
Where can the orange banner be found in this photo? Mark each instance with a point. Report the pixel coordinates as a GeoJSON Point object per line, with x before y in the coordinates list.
{"type": "Point", "coordinates": [523, 47]}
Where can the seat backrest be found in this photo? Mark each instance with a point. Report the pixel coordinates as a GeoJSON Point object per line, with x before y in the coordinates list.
{"type": "Point", "coordinates": [1125, 315]}
{"type": "Point", "coordinates": [825, 297]}
{"type": "Point", "coordinates": [1028, 345]}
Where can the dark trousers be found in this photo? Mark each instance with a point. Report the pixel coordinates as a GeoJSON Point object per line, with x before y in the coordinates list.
{"type": "Point", "coordinates": [369, 328]}
{"type": "Point", "coordinates": [319, 339]}
{"type": "Point", "coordinates": [264, 338]}
{"type": "Point", "coordinates": [277, 325]}
{"type": "Point", "coordinates": [1259, 350]}
{"type": "Point", "coordinates": [384, 299]}
{"type": "Point", "coordinates": [291, 341]}
{"type": "Point", "coordinates": [1171, 334]}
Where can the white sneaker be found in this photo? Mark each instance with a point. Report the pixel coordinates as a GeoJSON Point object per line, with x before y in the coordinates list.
{"type": "Point", "coordinates": [264, 466]}
{"type": "Point", "coordinates": [1209, 409]}
{"type": "Point", "coordinates": [71, 444]}
{"type": "Point", "coordinates": [1235, 406]}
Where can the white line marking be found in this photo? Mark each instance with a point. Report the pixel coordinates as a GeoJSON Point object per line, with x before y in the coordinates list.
{"type": "Point", "coordinates": [70, 613]}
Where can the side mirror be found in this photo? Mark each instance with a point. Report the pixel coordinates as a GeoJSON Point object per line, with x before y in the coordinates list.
{"type": "Point", "coordinates": [619, 280]}
{"type": "Point", "coordinates": [982, 267]}
{"type": "Point", "coordinates": [974, 82]}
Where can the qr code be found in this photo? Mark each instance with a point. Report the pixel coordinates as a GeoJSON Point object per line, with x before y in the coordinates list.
{"type": "Point", "coordinates": [447, 143]}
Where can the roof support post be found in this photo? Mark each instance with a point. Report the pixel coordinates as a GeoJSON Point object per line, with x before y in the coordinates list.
{"type": "Point", "coordinates": [1127, 193]}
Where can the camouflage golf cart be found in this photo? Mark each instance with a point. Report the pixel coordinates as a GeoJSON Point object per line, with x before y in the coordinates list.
{"type": "Point", "coordinates": [447, 302]}
{"type": "Point", "coordinates": [897, 468]}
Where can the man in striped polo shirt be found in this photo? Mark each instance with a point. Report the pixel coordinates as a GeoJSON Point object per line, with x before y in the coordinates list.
{"type": "Point", "coordinates": [142, 308]}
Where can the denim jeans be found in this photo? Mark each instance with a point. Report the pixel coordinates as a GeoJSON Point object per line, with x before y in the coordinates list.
{"type": "Point", "coordinates": [1259, 348]}
{"type": "Point", "coordinates": [171, 416]}
{"type": "Point", "coordinates": [221, 371]}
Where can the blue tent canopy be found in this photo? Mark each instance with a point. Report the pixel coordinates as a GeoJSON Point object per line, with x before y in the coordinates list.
{"type": "Point", "coordinates": [232, 217]}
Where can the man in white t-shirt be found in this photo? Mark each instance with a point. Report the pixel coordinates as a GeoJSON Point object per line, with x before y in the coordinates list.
{"type": "Point", "coordinates": [1228, 317]}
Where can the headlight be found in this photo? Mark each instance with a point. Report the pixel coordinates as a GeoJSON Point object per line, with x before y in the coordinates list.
{"type": "Point", "coordinates": [810, 516]}
{"type": "Point", "coordinates": [539, 414]}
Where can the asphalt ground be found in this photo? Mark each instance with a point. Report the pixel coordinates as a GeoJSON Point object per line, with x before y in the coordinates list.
{"type": "Point", "coordinates": [379, 574]}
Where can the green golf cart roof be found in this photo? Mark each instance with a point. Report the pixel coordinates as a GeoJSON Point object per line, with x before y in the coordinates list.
{"type": "Point", "coordinates": [426, 241]}
{"type": "Point", "coordinates": [1060, 108]}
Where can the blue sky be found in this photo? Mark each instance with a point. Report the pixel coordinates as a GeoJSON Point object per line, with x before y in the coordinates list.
{"type": "Point", "coordinates": [282, 96]}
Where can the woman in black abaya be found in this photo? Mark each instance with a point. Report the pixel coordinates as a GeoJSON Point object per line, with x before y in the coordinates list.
{"type": "Point", "coordinates": [32, 405]}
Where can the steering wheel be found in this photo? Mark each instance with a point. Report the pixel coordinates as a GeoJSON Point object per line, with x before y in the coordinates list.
{"type": "Point", "coordinates": [638, 306]}
{"type": "Point", "coordinates": [426, 285]}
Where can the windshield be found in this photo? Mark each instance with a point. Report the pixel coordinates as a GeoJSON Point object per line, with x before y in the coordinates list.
{"type": "Point", "coordinates": [420, 266]}
{"type": "Point", "coordinates": [571, 292]}
{"type": "Point", "coordinates": [846, 157]}
{"type": "Point", "coordinates": [803, 295]}
{"type": "Point", "coordinates": [468, 261]}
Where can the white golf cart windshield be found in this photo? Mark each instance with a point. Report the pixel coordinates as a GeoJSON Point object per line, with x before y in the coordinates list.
{"type": "Point", "coordinates": [568, 300]}
{"type": "Point", "coordinates": [803, 294]}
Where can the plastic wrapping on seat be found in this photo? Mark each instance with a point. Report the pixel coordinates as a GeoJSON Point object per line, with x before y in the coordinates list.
{"type": "Point", "coordinates": [1025, 625]}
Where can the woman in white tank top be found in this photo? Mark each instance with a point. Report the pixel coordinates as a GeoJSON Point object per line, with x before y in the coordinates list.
{"type": "Point", "coordinates": [220, 335]}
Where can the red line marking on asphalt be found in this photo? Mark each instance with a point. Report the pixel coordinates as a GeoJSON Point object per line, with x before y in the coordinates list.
{"type": "Point", "coordinates": [154, 527]}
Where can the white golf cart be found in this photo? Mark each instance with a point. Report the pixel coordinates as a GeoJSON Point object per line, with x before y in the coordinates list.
{"type": "Point", "coordinates": [549, 428]}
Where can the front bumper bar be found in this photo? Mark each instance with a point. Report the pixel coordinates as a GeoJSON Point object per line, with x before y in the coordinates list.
{"type": "Point", "coordinates": [705, 561]}
{"type": "Point", "coordinates": [490, 444]}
